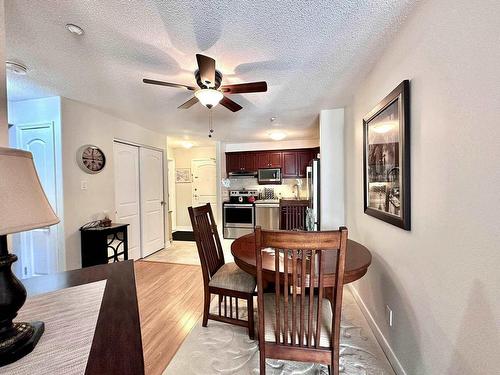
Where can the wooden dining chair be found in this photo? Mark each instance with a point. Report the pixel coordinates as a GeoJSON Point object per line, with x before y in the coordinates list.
{"type": "Point", "coordinates": [226, 280]}
{"type": "Point", "coordinates": [293, 214]}
{"type": "Point", "coordinates": [297, 322]}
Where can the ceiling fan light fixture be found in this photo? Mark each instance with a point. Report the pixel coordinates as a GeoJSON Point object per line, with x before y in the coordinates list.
{"type": "Point", "coordinates": [277, 135]}
{"type": "Point", "coordinates": [16, 68]}
{"type": "Point", "coordinates": [209, 97]}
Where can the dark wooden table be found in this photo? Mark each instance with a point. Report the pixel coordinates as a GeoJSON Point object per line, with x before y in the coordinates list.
{"type": "Point", "coordinates": [117, 344]}
{"type": "Point", "coordinates": [358, 259]}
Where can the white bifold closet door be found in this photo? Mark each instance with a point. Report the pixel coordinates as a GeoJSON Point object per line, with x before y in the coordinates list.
{"type": "Point", "coordinates": [152, 215]}
{"type": "Point", "coordinates": [139, 197]}
{"type": "Point", "coordinates": [127, 195]}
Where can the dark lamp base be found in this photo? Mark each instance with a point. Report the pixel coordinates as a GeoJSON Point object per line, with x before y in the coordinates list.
{"type": "Point", "coordinates": [20, 341]}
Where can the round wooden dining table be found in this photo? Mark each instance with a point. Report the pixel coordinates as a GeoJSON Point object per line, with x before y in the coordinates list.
{"type": "Point", "coordinates": [358, 259]}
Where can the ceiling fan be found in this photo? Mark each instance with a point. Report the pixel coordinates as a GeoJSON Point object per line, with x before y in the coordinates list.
{"type": "Point", "coordinates": [209, 91]}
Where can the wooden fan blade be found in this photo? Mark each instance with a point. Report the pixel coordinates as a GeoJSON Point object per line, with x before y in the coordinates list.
{"type": "Point", "coordinates": [229, 104]}
{"type": "Point", "coordinates": [206, 65]}
{"type": "Point", "coordinates": [169, 84]}
{"type": "Point", "coordinates": [242, 88]}
{"type": "Point", "coordinates": [189, 103]}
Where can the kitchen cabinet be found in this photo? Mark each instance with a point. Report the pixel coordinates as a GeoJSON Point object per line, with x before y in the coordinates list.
{"type": "Point", "coordinates": [269, 159]}
{"type": "Point", "coordinates": [248, 161]}
{"type": "Point", "coordinates": [303, 159]}
{"type": "Point", "coordinates": [232, 162]}
{"type": "Point", "coordinates": [241, 161]}
{"type": "Point", "coordinates": [290, 165]}
{"type": "Point", "coordinates": [293, 163]}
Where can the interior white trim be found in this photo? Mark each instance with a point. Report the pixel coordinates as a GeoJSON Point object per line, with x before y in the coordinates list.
{"type": "Point", "coordinates": [184, 228]}
{"type": "Point", "coordinates": [120, 140]}
{"type": "Point", "coordinates": [391, 356]}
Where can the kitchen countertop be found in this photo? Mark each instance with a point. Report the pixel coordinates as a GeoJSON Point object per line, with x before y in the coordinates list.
{"type": "Point", "coordinates": [267, 201]}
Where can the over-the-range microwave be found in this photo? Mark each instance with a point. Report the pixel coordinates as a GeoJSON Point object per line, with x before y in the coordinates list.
{"type": "Point", "coordinates": [269, 176]}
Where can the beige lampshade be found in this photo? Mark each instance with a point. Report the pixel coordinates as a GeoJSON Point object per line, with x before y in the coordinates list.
{"type": "Point", "coordinates": [23, 203]}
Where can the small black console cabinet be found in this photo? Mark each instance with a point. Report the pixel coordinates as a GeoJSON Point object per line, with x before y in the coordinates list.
{"type": "Point", "coordinates": [96, 242]}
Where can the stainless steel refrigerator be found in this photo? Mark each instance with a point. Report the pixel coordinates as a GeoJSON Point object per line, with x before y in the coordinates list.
{"type": "Point", "coordinates": [313, 190]}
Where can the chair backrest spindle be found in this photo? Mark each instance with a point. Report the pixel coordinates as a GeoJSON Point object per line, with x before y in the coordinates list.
{"type": "Point", "coordinates": [299, 277]}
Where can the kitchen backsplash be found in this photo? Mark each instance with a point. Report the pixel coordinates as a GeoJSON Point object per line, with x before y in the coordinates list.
{"type": "Point", "coordinates": [285, 190]}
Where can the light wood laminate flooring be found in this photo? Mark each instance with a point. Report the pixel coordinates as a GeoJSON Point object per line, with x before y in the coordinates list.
{"type": "Point", "coordinates": [170, 298]}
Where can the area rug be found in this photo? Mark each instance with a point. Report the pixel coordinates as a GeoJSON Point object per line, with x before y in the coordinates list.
{"type": "Point", "coordinates": [226, 349]}
{"type": "Point", "coordinates": [70, 317]}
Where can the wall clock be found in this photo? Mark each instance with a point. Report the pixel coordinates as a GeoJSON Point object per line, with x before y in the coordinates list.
{"type": "Point", "coordinates": [91, 159]}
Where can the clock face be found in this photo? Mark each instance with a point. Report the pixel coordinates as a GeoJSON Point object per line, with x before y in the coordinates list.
{"type": "Point", "coordinates": [91, 159]}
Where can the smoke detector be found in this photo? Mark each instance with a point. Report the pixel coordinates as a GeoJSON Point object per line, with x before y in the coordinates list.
{"type": "Point", "coordinates": [16, 68]}
{"type": "Point", "coordinates": [74, 29]}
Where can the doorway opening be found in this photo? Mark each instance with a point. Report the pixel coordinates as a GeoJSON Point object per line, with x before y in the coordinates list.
{"type": "Point", "coordinates": [35, 126]}
{"type": "Point", "coordinates": [194, 182]}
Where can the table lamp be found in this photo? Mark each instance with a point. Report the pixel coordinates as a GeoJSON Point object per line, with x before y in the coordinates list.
{"type": "Point", "coordinates": [23, 206]}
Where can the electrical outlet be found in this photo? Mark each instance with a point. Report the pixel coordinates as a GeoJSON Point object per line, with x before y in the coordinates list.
{"type": "Point", "coordinates": [83, 184]}
{"type": "Point", "coordinates": [389, 316]}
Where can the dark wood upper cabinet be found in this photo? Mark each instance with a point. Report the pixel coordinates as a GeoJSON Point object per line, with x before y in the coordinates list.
{"type": "Point", "coordinates": [275, 159]}
{"type": "Point", "coordinates": [248, 161]}
{"type": "Point", "coordinates": [293, 163]}
{"type": "Point", "coordinates": [269, 159]}
{"type": "Point", "coordinates": [232, 162]}
{"type": "Point", "coordinates": [290, 166]}
{"type": "Point", "coordinates": [241, 161]}
{"type": "Point", "coordinates": [262, 160]}
{"type": "Point", "coordinates": [303, 159]}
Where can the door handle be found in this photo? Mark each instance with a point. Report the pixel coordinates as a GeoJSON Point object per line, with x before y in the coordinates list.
{"type": "Point", "coordinates": [163, 203]}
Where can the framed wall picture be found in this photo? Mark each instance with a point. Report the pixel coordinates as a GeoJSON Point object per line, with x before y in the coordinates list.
{"type": "Point", "coordinates": [386, 161]}
{"type": "Point", "coordinates": [182, 175]}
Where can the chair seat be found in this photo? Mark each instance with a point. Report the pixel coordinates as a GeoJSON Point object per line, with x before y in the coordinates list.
{"type": "Point", "coordinates": [231, 277]}
{"type": "Point", "coordinates": [270, 319]}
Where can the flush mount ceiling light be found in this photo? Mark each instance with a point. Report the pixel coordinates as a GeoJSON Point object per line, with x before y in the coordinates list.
{"type": "Point", "coordinates": [277, 135]}
{"type": "Point", "coordinates": [74, 29]}
{"type": "Point", "coordinates": [187, 145]}
{"type": "Point", "coordinates": [209, 97]}
{"type": "Point", "coordinates": [16, 68]}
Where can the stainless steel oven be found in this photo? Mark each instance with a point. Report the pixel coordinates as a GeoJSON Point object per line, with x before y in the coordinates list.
{"type": "Point", "coordinates": [239, 219]}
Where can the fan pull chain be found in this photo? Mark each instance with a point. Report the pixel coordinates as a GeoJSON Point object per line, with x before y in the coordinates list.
{"type": "Point", "coordinates": [210, 124]}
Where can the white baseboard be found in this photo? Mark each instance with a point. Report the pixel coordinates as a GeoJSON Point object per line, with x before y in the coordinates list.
{"type": "Point", "coordinates": [391, 356]}
{"type": "Point", "coordinates": [183, 228]}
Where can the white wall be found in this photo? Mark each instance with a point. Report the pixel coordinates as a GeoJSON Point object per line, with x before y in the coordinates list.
{"type": "Point", "coordinates": [331, 129]}
{"type": "Point", "coordinates": [272, 145]}
{"type": "Point", "coordinates": [83, 124]}
{"type": "Point", "coordinates": [4, 140]}
{"type": "Point", "coordinates": [442, 279]}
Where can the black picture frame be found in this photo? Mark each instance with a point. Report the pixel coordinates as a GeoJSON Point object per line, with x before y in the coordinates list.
{"type": "Point", "coordinates": [386, 159]}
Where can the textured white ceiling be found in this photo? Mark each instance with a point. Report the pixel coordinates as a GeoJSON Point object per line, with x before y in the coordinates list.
{"type": "Point", "coordinates": [311, 53]}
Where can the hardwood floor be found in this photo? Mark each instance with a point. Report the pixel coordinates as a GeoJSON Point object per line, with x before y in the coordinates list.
{"type": "Point", "coordinates": [170, 298]}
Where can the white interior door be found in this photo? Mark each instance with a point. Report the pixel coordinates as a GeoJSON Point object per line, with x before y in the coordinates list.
{"type": "Point", "coordinates": [127, 194]}
{"type": "Point", "coordinates": [152, 213]}
{"type": "Point", "coordinates": [171, 192]}
{"type": "Point", "coordinates": [38, 248]}
{"type": "Point", "coordinates": [204, 186]}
